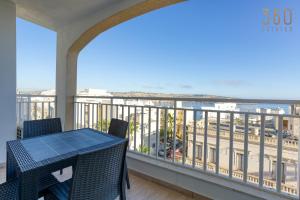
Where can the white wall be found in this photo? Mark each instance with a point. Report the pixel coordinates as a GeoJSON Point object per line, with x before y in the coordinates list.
{"type": "Point", "coordinates": [7, 75]}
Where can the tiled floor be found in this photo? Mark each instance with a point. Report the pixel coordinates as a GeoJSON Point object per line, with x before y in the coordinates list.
{"type": "Point", "coordinates": [141, 189]}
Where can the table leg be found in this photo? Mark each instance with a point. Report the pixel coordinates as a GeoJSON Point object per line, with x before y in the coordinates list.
{"type": "Point", "coordinates": [29, 185]}
{"type": "Point", "coordinates": [11, 165]}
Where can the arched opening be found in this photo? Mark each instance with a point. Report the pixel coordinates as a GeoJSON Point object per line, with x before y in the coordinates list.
{"type": "Point", "coordinates": [118, 18]}
{"type": "Point", "coordinates": [73, 52]}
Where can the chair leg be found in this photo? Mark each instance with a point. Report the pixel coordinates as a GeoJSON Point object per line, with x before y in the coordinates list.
{"type": "Point", "coordinates": [123, 194]}
{"type": "Point", "coordinates": [127, 176]}
{"type": "Point", "coordinates": [61, 172]}
{"type": "Point", "coordinates": [127, 180]}
{"type": "Point", "coordinates": [123, 190]}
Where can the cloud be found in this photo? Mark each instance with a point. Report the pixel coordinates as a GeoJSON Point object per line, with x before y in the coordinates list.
{"type": "Point", "coordinates": [185, 86]}
{"type": "Point", "coordinates": [153, 87]}
{"type": "Point", "coordinates": [231, 83]}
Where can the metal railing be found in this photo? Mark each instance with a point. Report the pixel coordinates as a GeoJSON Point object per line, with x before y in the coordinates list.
{"type": "Point", "coordinates": [33, 107]}
{"type": "Point", "coordinates": [256, 148]}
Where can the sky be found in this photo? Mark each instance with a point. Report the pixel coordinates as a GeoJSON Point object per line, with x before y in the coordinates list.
{"type": "Point", "coordinates": [196, 47]}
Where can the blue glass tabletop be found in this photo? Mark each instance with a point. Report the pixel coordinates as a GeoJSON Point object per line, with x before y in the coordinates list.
{"type": "Point", "coordinates": [45, 147]}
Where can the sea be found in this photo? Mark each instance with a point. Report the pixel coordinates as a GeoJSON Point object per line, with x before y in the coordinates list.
{"type": "Point", "coordinates": [243, 107]}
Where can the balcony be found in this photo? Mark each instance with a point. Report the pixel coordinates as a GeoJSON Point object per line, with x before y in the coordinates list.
{"type": "Point", "coordinates": [179, 148]}
{"type": "Point", "coordinates": [227, 148]}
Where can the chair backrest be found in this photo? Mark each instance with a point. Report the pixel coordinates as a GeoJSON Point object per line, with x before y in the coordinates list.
{"type": "Point", "coordinates": [99, 174]}
{"type": "Point", "coordinates": [35, 128]}
{"type": "Point", "coordinates": [118, 128]}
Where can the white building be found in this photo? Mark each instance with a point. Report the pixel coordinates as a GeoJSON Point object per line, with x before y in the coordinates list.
{"type": "Point", "coordinates": [222, 107]}
{"type": "Point", "coordinates": [289, 157]}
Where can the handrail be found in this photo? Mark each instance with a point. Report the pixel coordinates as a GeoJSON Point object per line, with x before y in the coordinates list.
{"type": "Point", "coordinates": [35, 95]}
{"type": "Point", "coordinates": [201, 110]}
{"type": "Point", "coordinates": [200, 99]}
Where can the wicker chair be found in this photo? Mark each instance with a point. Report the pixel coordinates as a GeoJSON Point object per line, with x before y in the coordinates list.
{"type": "Point", "coordinates": [9, 190]}
{"type": "Point", "coordinates": [35, 128]}
{"type": "Point", "coordinates": [119, 128]}
{"type": "Point", "coordinates": [41, 127]}
{"type": "Point", "coordinates": [98, 175]}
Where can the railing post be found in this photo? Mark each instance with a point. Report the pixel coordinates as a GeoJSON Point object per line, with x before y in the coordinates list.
{"type": "Point", "coordinates": [279, 155]}
{"type": "Point", "coordinates": [129, 129]}
{"type": "Point", "coordinates": [123, 113]}
{"type": "Point", "coordinates": [298, 179]}
{"type": "Point", "coordinates": [49, 108]}
{"type": "Point", "coordinates": [231, 144]}
{"type": "Point", "coordinates": [29, 109]}
{"type": "Point", "coordinates": [20, 112]}
{"type": "Point", "coordinates": [246, 134]}
{"type": "Point", "coordinates": [75, 112]}
{"type": "Point", "coordinates": [218, 144]}
{"type": "Point", "coordinates": [101, 117]}
{"type": "Point", "coordinates": [184, 137]}
{"type": "Point", "coordinates": [42, 110]}
{"type": "Point", "coordinates": [149, 129]}
{"type": "Point", "coordinates": [117, 111]}
{"type": "Point", "coordinates": [97, 116]}
{"type": "Point", "coordinates": [93, 115]}
{"type": "Point", "coordinates": [261, 151]}
{"type": "Point", "coordinates": [194, 138]}
{"type": "Point", "coordinates": [205, 141]}
{"type": "Point", "coordinates": [134, 144]}
{"type": "Point", "coordinates": [106, 118]}
{"type": "Point", "coordinates": [111, 107]}
{"type": "Point", "coordinates": [157, 135]}
{"type": "Point", "coordinates": [174, 133]}
{"type": "Point", "coordinates": [165, 133]}
{"type": "Point", "coordinates": [142, 129]}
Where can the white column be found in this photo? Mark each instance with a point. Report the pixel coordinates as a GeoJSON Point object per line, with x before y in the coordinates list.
{"type": "Point", "coordinates": [7, 75]}
{"type": "Point", "coordinates": [66, 81]}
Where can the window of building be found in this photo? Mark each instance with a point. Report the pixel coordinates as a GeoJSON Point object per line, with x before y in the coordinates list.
{"type": "Point", "coordinates": [212, 155]}
{"type": "Point", "coordinates": [240, 161]}
{"type": "Point", "coordinates": [198, 152]}
{"type": "Point", "coordinates": [283, 171]}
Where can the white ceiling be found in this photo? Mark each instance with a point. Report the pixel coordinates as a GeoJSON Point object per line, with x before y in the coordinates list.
{"type": "Point", "coordinates": [56, 13]}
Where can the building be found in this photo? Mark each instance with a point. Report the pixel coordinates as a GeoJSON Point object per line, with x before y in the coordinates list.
{"type": "Point", "coordinates": [294, 124]}
{"type": "Point", "coordinates": [222, 107]}
{"type": "Point", "coordinates": [289, 157]}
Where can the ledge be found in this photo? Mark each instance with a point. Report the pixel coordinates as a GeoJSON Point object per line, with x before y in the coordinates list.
{"type": "Point", "coordinates": [197, 181]}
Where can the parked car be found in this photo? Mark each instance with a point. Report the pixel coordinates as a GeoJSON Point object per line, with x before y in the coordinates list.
{"type": "Point", "coordinates": [169, 148]}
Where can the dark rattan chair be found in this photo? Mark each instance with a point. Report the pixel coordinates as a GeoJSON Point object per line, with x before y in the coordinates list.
{"type": "Point", "coordinates": [41, 127]}
{"type": "Point", "coordinates": [98, 174]}
{"type": "Point", "coordinates": [9, 190]}
{"type": "Point", "coordinates": [119, 128]}
{"type": "Point", "coordinates": [35, 128]}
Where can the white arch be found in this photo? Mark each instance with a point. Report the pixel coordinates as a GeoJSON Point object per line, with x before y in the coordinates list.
{"type": "Point", "coordinates": [74, 37]}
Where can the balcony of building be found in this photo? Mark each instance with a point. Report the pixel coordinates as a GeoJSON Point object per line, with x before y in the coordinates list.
{"type": "Point", "coordinates": [206, 148]}
{"type": "Point", "coordinates": [176, 151]}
